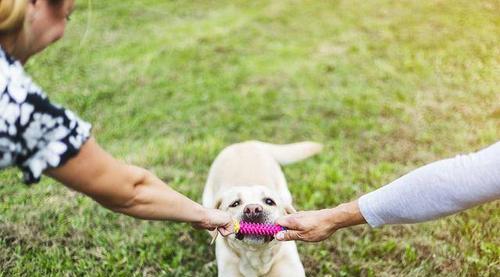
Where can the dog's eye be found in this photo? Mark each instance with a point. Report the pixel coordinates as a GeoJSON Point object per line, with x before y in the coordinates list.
{"type": "Point", "coordinates": [269, 202]}
{"type": "Point", "coordinates": [235, 204]}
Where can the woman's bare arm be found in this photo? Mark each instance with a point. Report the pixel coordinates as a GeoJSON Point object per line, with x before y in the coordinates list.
{"type": "Point", "coordinates": [132, 190]}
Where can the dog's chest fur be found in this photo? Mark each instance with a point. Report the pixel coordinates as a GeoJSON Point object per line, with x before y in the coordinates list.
{"type": "Point", "coordinates": [254, 260]}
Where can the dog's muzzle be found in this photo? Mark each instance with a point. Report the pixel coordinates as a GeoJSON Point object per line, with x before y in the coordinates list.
{"type": "Point", "coordinates": [254, 213]}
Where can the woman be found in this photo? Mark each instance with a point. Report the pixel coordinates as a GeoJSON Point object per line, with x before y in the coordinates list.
{"type": "Point", "coordinates": [42, 138]}
{"type": "Point", "coordinates": [432, 191]}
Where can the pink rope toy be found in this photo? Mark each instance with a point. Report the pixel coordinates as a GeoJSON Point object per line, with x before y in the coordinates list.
{"type": "Point", "coordinates": [261, 229]}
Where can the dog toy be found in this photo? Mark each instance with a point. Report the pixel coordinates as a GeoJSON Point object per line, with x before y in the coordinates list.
{"type": "Point", "coordinates": [261, 229]}
{"type": "Point", "coordinates": [249, 228]}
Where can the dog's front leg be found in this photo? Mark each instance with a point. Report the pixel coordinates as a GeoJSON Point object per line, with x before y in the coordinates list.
{"type": "Point", "coordinates": [287, 262]}
{"type": "Point", "coordinates": [227, 261]}
{"type": "Point", "coordinates": [287, 268]}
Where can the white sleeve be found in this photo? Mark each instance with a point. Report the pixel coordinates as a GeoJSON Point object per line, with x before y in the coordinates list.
{"type": "Point", "coordinates": [436, 190]}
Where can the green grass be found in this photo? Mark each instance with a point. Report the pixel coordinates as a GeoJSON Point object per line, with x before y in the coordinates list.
{"type": "Point", "coordinates": [387, 86]}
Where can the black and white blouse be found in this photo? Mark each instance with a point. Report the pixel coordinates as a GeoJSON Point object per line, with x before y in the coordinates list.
{"type": "Point", "coordinates": [35, 134]}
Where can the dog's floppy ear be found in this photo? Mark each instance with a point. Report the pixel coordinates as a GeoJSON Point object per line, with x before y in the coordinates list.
{"type": "Point", "coordinates": [289, 209]}
{"type": "Point", "coordinates": [218, 202]}
{"type": "Point", "coordinates": [214, 233]}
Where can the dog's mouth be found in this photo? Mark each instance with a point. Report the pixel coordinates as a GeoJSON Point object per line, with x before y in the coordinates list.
{"type": "Point", "coordinates": [255, 238]}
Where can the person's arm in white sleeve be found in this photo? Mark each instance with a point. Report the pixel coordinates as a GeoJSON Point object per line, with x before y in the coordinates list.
{"type": "Point", "coordinates": [435, 190]}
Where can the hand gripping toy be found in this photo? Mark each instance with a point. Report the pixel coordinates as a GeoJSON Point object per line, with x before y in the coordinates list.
{"type": "Point", "coordinates": [261, 229]}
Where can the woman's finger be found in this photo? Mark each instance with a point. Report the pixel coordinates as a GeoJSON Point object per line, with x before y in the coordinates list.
{"type": "Point", "coordinates": [224, 231]}
{"type": "Point", "coordinates": [289, 221]}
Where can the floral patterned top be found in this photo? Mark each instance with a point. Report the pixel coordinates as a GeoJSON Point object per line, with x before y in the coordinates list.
{"type": "Point", "coordinates": [35, 134]}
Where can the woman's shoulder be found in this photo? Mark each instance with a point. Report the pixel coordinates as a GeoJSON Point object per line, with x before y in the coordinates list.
{"type": "Point", "coordinates": [14, 81]}
{"type": "Point", "coordinates": [35, 134]}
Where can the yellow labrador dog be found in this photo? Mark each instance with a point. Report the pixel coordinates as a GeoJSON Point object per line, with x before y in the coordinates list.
{"type": "Point", "coordinates": [246, 180]}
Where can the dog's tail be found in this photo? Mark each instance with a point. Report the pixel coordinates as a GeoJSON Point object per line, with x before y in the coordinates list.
{"type": "Point", "coordinates": [291, 153]}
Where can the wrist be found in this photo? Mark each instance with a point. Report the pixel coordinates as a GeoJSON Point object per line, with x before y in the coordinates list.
{"type": "Point", "coordinates": [201, 215]}
{"type": "Point", "coordinates": [346, 214]}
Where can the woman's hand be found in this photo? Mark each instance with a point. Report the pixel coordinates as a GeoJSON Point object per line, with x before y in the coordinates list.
{"type": "Point", "coordinates": [309, 226]}
{"type": "Point", "coordinates": [216, 219]}
{"type": "Point", "coordinates": [313, 226]}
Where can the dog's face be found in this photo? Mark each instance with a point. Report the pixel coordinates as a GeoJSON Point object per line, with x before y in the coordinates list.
{"type": "Point", "coordinates": [257, 204]}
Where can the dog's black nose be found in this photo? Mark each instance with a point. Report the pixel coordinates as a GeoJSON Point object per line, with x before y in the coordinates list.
{"type": "Point", "coordinates": [253, 210]}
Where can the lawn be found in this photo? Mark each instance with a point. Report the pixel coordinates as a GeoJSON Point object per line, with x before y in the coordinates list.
{"type": "Point", "coordinates": [387, 86]}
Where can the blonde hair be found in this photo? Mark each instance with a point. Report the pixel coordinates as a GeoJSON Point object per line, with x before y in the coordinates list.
{"type": "Point", "coordinates": [12, 14]}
